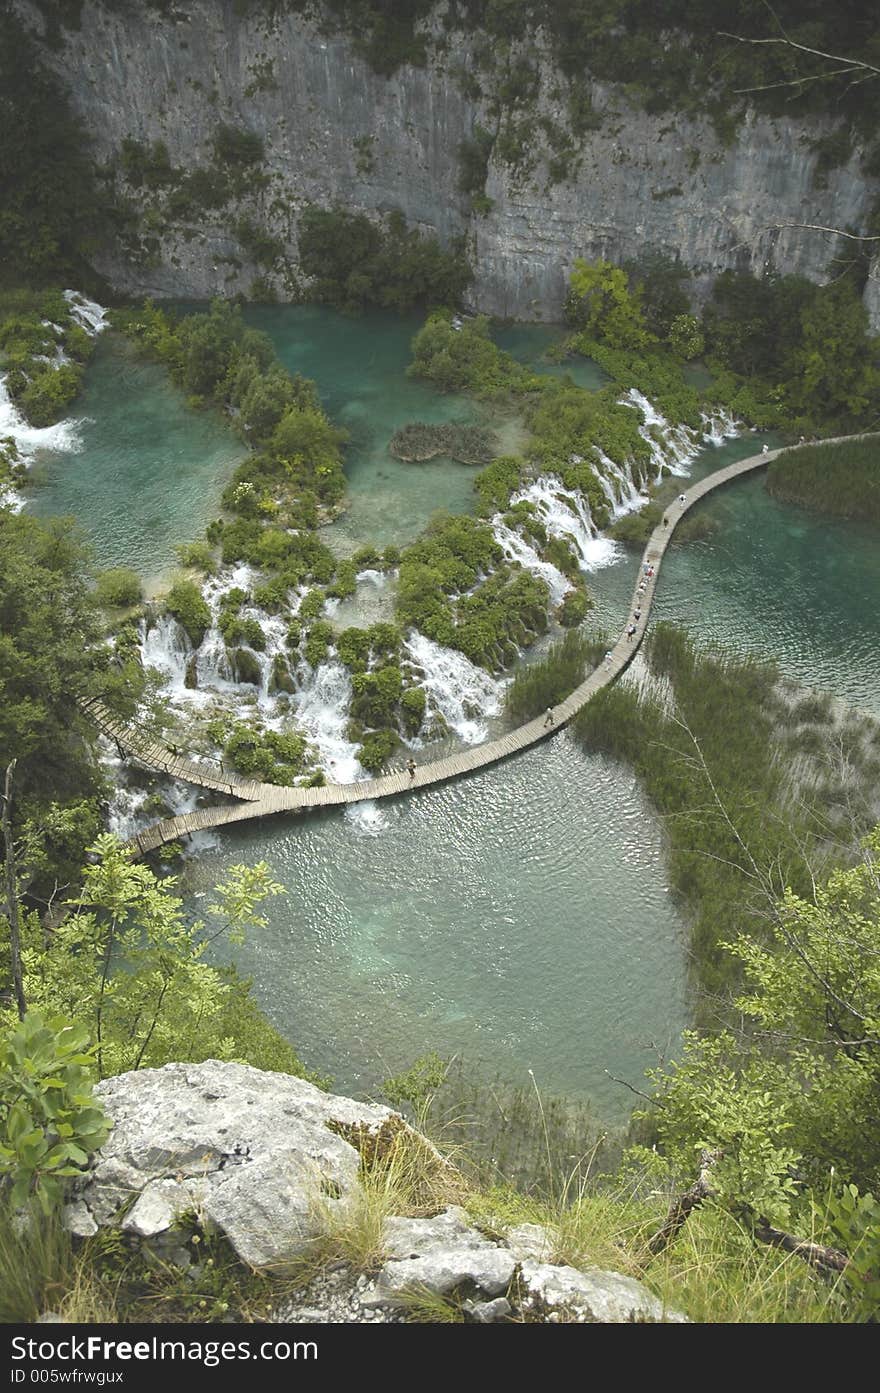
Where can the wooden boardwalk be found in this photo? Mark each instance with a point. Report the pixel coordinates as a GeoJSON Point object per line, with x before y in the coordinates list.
{"type": "Point", "coordinates": [263, 800]}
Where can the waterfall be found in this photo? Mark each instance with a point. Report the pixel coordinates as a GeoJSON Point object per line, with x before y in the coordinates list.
{"type": "Point", "coordinates": [677, 446]}
{"type": "Point", "coordinates": [131, 809]}
{"type": "Point", "coordinates": [517, 549]}
{"type": "Point", "coordinates": [64, 435]}
{"type": "Point", "coordinates": [719, 426]}
{"type": "Point", "coordinates": [165, 647]}
{"type": "Point", "coordinates": [88, 314]}
{"type": "Point", "coordinates": [566, 515]}
{"type": "Point", "coordinates": [321, 706]}
{"type": "Point", "coordinates": [619, 486]}
{"type": "Point", "coordinates": [455, 688]}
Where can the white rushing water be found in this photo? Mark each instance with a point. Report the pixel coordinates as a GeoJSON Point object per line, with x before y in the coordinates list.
{"type": "Point", "coordinates": [455, 688]}
{"type": "Point", "coordinates": [64, 435]}
{"type": "Point", "coordinates": [672, 447]}
{"type": "Point", "coordinates": [566, 514]}
{"type": "Point", "coordinates": [675, 447]}
{"type": "Point", "coordinates": [321, 706]}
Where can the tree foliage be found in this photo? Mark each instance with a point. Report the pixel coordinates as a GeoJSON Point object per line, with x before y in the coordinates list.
{"type": "Point", "coordinates": [52, 206]}
{"type": "Point", "coordinates": [49, 1122]}
{"type": "Point", "coordinates": [50, 653]}
{"type": "Point", "coordinates": [131, 967]}
{"type": "Point", "coordinates": [355, 262]}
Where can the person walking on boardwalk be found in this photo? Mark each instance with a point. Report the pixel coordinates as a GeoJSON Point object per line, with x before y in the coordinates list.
{"type": "Point", "coordinates": [411, 767]}
{"type": "Point", "coordinates": [681, 499]}
{"type": "Point", "coordinates": [548, 719]}
{"type": "Point", "coordinates": [630, 631]}
{"type": "Point", "coordinates": [765, 448]}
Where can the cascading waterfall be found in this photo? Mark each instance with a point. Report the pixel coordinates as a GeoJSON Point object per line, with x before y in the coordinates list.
{"type": "Point", "coordinates": [165, 647]}
{"type": "Point", "coordinates": [566, 515]}
{"type": "Point", "coordinates": [321, 706]}
{"type": "Point", "coordinates": [719, 426]}
{"type": "Point", "coordinates": [64, 435]}
{"type": "Point", "coordinates": [88, 313]}
{"type": "Point", "coordinates": [454, 687]}
{"type": "Point", "coordinates": [676, 447]}
{"type": "Point", "coordinates": [516, 548]}
{"type": "Point", "coordinates": [619, 486]}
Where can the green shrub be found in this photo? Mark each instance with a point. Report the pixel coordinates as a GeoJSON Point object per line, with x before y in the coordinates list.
{"type": "Point", "coordinates": [188, 606]}
{"type": "Point", "coordinates": [198, 556]}
{"type": "Point", "coordinates": [235, 147]}
{"type": "Point", "coordinates": [353, 648]}
{"type": "Point", "coordinates": [574, 609]}
{"type": "Point", "coordinates": [49, 1122]}
{"type": "Point", "coordinates": [119, 588]}
{"type": "Point", "coordinates": [345, 583]}
{"type": "Point", "coordinates": [376, 695]}
{"type": "Point", "coordinates": [377, 748]}
{"type": "Point", "coordinates": [318, 641]}
{"type": "Point", "coordinates": [412, 707]}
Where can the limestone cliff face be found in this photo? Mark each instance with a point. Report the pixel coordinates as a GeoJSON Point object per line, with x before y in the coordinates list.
{"type": "Point", "coordinates": [335, 132]}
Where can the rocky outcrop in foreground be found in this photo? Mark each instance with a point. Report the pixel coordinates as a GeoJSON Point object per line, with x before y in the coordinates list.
{"type": "Point", "coordinates": [266, 1160]}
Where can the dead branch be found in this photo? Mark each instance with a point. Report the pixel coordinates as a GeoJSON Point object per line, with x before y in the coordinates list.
{"type": "Point", "coordinates": [825, 1260]}
{"type": "Point", "coordinates": [681, 1207]}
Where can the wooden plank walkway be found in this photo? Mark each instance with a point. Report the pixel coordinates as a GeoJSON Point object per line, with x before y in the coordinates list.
{"type": "Point", "coordinates": [264, 800]}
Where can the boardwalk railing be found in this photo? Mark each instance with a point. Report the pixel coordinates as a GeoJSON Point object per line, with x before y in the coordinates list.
{"type": "Point", "coordinates": [263, 800]}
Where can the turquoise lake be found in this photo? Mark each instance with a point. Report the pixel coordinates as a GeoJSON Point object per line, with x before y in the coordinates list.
{"type": "Point", "coordinates": [521, 918]}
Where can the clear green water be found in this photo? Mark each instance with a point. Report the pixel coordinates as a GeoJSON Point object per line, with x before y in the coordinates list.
{"type": "Point", "coordinates": [150, 472]}
{"type": "Point", "coordinates": [774, 580]}
{"type": "Point", "coordinates": [530, 343]}
{"type": "Point", "coordinates": [520, 917]}
{"type": "Point", "coordinates": [359, 366]}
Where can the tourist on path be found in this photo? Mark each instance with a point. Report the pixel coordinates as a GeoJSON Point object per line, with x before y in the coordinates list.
{"type": "Point", "coordinates": [411, 766]}
{"type": "Point", "coordinates": [548, 719]}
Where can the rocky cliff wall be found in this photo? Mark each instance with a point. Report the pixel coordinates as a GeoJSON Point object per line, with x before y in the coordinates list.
{"type": "Point", "coordinates": [336, 132]}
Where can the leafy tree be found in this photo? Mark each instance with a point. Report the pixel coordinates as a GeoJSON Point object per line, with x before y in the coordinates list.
{"type": "Point", "coordinates": [49, 1122]}
{"type": "Point", "coordinates": [52, 206]}
{"type": "Point", "coordinates": [355, 262]}
{"type": "Point", "coordinates": [659, 280]}
{"type": "Point", "coordinates": [50, 653]}
{"type": "Point", "coordinates": [131, 969]}
{"type": "Point", "coordinates": [600, 302]}
{"type": "Point", "coordinates": [686, 337]}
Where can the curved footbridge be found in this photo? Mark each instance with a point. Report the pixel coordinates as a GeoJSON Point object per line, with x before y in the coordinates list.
{"type": "Point", "coordinates": [262, 800]}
